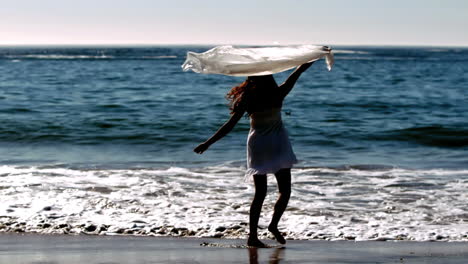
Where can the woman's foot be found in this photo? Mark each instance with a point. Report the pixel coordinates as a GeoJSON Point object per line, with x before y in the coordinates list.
{"type": "Point", "coordinates": [277, 234]}
{"type": "Point", "coordinates": [255, 242]}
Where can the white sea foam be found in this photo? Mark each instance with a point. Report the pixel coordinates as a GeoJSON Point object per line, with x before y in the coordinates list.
{"type": "Point", "coordinates": [326, 203]}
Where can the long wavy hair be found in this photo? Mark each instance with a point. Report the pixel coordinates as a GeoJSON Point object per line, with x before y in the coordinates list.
{"type": "Point", "coordinates": [237, 97]}
{"type": "Point", "coordinates": [253, 93]}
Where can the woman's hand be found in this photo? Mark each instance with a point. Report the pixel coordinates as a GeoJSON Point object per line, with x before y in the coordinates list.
{"type": "Point", "coordinates": [201, 148]}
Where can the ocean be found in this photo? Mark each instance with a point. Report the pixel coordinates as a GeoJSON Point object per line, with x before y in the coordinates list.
{"type": "Point", "coordinates": [99, 140]}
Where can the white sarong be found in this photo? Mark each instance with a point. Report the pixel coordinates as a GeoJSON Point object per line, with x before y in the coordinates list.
{"type": "Point", "coordinates": [229, 60]}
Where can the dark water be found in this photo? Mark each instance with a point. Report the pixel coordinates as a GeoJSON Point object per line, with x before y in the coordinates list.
{"type": "Point", "coordinates": [99, 106]}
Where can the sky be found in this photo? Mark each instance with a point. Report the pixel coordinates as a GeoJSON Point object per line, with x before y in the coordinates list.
{"type": "Point", "coordinates": [261, 22]}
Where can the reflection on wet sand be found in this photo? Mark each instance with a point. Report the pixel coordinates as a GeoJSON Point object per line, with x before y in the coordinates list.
{"type": "Point", "coordinates": [275, 257]}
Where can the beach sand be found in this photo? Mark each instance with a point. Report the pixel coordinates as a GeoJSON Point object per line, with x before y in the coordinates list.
{"type": "Point", "coordinates": [30, 248]}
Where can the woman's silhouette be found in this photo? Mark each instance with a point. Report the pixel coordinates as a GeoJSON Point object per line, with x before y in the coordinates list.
{"type": "Point", "coordinates": [268, 146]}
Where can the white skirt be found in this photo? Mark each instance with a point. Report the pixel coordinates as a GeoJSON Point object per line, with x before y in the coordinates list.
{"type": "Point", "coordinates": [268, 145]}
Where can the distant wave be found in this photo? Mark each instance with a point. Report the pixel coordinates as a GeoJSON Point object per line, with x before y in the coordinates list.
{"type": "Point", "coordinates": [385, 58]}
{"type": "Point", "coordinates": [160, 57]}
{"type": "Point", "coordinates": [355, 58]}
{"type": "Point", "coordinates": [80, 57]}
{"type": "Point", "coordinates": [350, 52]}
{"type": "Point", "coordinates": [58, 56]}
{"type": "Point", "coordinates": [439, 136]}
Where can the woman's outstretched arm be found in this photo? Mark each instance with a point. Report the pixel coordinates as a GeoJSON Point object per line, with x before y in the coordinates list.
{"type": "Point", "coordinates": [287, 86]}
{"type": "Point", "coordinates": [224, 130]}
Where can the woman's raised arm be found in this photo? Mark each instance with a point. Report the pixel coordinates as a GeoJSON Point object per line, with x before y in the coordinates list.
{"type": "Point", "coordinates": [224, 130]}
{"type": "Point", "coordinates": [287, 86]}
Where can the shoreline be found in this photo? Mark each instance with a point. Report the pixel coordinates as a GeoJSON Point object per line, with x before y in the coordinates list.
{"type": "Point", "coordinates": [140, 228]}
{"type": "Point", "coordinates": [35, 248]}
{"type": "Point", "coordinates": [223, 233]}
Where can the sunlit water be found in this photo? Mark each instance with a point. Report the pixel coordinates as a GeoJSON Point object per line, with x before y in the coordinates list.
{"type": "Point", "coordinates": [100, 140]}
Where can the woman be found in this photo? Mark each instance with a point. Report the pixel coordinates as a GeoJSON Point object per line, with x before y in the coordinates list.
{"type": "Point", "coordinates": [268, 146]}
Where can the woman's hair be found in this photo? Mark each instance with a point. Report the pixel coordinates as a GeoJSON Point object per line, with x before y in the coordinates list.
{"type": "Point", "coordinates": [253, 93]}
{"type": "Point", "coordinates": [237, 97]}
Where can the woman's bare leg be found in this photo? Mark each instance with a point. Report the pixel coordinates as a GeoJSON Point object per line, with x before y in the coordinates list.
{"type": "Point", "coordinates": [283, 177]}
{"type": "Point", "coordinates": [256, 208]}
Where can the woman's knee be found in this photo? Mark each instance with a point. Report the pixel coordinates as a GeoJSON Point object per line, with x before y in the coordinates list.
{"type": "Point", "coordinates": [285, 191]}
{"type": "Point", "coordinates": [260, 194]}
{"type": "Point", "coordinates": [260, 186]}
{"type": "Point", "coordinates": [283, 177]}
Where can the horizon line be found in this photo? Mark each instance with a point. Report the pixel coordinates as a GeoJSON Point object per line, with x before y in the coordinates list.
{"type": "Point", "coordinates": [217, 44]}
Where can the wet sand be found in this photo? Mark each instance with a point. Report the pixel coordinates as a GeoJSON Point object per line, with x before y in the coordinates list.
{"type": "Point", "coordinates": [52, 249]}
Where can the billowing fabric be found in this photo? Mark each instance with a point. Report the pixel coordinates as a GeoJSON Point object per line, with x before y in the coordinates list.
{"type": "Point", "coordinates": [268, 146]}
{"type": "Point", "coordinates": [229, 60]}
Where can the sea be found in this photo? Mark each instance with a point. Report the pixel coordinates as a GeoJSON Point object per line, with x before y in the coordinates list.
{"type": "Point", "coordinates": [99, 140]}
